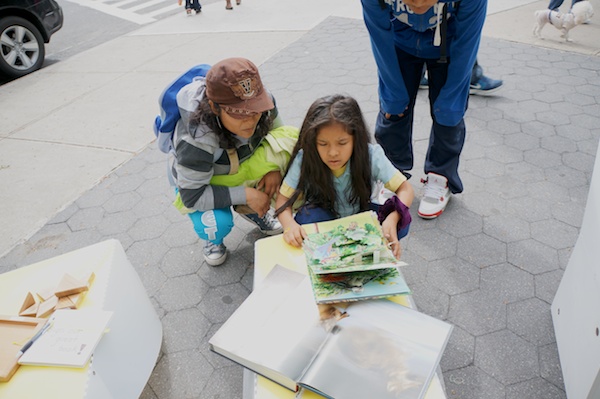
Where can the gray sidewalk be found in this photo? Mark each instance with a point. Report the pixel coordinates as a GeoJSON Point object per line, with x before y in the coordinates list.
{"type": "Point", "coordinates": [490, 264]}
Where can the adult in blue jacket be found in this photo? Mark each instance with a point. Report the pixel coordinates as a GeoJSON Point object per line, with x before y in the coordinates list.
{"type": "Point", "coordinates": [444, 36]}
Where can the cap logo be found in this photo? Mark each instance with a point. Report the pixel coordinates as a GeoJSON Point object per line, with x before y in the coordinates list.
{"type": "Point", "coordinates": [245, 88]}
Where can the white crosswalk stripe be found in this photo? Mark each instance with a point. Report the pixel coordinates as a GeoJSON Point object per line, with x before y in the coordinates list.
{"type": "Point", "coordinates": [131, 10]}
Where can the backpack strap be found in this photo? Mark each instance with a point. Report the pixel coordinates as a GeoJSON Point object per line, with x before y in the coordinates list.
{"type": "Point", "coordinates": [234, 161]}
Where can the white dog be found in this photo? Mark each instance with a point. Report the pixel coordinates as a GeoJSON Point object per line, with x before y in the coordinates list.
{"type": "Point", "coordinates": [581, 12]}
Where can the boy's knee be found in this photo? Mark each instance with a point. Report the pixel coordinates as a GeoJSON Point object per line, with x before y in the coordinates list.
{"type": "Point", "coordinates": [213, 225]}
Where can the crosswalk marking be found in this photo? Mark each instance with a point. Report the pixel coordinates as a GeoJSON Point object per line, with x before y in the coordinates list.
{"type": "Point", "coordinates": [163, 10]}
{"type": "Point", "coordinates": [118, 9]}
{"type": "Point", "coordinates": [145, 4]}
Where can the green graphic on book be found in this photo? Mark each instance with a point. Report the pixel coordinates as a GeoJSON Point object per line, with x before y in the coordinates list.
{"type": "Point", "coordinates": [348, 260]}
{"type": "Point", "coordinates": [348, 248]}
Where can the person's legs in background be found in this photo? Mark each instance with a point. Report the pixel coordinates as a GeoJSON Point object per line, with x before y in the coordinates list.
{"type": "Point", "coordinates": [555, 4]}
{"type": "Point", "coordinates": [480, 84]}
{"type": "Point", "coordinates": [443, 153]}
{"type": "Point", "coordinates": [196, 6]}
{"type": "Point", "coordinates": [394, 134]}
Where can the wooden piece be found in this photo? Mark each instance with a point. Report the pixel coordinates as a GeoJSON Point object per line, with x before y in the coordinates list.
{"type": "Point", "coordinates": [45, 294]}
{"type": "Point", "coordinates": [29, 305]}
{"type": "Point", "coordinates": [65, 302]}
{"type": "Point", "coordinates": [47, 307]}
{"type": "Point", "coordinates": [70, 302]}
{"type": "Point", "coordinates": [70, 285]}
{"type": "Point", "coordinates": [14, 333]}
{"type": "Point", "coordinates": [31, 311]}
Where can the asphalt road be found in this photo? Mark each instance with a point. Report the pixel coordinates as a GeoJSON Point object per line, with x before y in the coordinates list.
{"type": "Point", "coordinates": [86, 27]}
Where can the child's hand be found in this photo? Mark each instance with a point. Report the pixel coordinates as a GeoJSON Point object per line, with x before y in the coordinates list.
{"type": "Point", "coordinates": [270, 183]}
{"type": "Point", "coordinates": [294, 235]}
{"type": "Point", "coordinates": [390, 232]}
{"type": "Point", "coordinates": [258, 201]}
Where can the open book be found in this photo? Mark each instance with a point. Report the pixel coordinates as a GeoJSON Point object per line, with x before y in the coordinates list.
{"type": "Point", "coordinates": [70, 339]}
{"type": "Point", "coordinates": [371, 349]}
{"type": "Point", "coordinates": [348, 260]}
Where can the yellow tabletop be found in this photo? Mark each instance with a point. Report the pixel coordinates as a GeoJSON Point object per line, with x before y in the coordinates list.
{"type": "Point", "coordinates": [114, 287]}
{"type": "Point", "coordinates": [273, 250]}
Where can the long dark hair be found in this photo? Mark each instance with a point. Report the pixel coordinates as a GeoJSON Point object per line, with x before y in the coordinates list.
{"type": "Point", "coordinates": [204, 114]}
{"type": "Point", "coordinates": [316, 180]}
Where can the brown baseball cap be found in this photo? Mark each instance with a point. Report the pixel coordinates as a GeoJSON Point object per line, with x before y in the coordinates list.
{"type": "Point", "coordinates": [235, 85]}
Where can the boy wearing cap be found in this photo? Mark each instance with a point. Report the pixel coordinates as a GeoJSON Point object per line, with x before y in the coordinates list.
{"type": "Point", "coordinates": [444, 35]}
{"type": "Point", "coordinates": [220, 157]}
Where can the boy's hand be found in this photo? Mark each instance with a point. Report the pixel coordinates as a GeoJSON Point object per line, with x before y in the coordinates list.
{"type": "Point", "coordinates": [270, 183]}
{"type": "Point", "coordinates": [258, 201]}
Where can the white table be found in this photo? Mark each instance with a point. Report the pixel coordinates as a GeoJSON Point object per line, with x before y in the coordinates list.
{"type": "Point", "coordinates": [126, 355]}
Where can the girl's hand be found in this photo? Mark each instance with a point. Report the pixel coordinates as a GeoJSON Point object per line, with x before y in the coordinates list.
{"type": "Point", "coordinates": [258, 201]}
{"type": "Point", "coordinates": [390, 232]}
{"type": "Point", "coordinates": [270, 183]}
{"type": "Point", "coordinates": [294, 235]}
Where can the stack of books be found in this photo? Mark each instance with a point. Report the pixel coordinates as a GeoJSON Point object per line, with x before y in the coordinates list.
{"type": "Point", "coordinates": [329, 331]}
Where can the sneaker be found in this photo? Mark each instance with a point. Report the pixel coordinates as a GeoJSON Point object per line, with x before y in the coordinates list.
{"type": "Point", "coordinates": [436, 195]}
{"type": "Point", "coordinates": [267, 224]}
{"type": "Point", "coordinates": [485, 86]}
{"type": "Point", "coordinates": [424, 84]}
{"type": "Point", "coordinates": [214, 254]}
{"type": "Point", "coordinates": [198, 11]}
{"type": "Point", "coordinates": [189, 12]}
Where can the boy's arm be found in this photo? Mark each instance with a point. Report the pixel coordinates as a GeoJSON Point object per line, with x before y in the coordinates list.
{"type": "Point", "coordinates": [392, 91]}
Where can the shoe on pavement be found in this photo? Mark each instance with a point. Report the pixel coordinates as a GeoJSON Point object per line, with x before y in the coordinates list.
{"type": "Point", "coordinates": [267, 224]}
{"type": "Point", "coordinates": [189, 12]}
{"type": "Point", "coordinates": [198, 11]}
{"type": "Point", "coordinates": [214, 254]}
{"type": "Point", "coordinates": [436, 195]}
{"type": "Point", "coordinates": [485, 86]}
{"type": "Point", "coordinates": [424, 84]}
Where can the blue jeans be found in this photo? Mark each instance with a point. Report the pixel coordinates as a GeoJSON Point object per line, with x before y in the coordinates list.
{"type": "Point", "coordinates": [445, 142]}
{"type": "Point", "coordinates": [310, 214]}
{"type": "Point", "coordinates": [192, 4]}
{"type": "Point", "coordinates": [555, 4]}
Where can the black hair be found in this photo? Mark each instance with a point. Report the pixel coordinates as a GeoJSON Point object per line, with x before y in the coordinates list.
{"type": "Point", "coordinates": [316, 182]}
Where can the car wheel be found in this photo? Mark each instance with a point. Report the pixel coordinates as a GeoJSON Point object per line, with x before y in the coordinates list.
{"type": "Point", "coordinates": [21, 47]}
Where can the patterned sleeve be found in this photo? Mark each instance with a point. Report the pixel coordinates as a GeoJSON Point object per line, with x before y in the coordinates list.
{"type": "Point", "coordinates": [193, 171]}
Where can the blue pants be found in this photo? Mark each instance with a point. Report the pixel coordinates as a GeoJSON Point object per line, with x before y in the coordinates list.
{"type": "Point", "coordinates": [309, 214]}
{"type": "Point", "coordinates": [213, 225]}
{"type": "Point", "coordinates": [555, 4]}
{"type": "Point", "coordinates": [445, 142]}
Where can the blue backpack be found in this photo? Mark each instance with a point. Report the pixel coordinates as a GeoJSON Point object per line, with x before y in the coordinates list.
{"type": "Point", "coordinates": [164, 124]}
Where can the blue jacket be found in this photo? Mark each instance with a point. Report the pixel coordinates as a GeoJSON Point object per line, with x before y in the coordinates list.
{"type": "Point", "coordinates": [395, 24]}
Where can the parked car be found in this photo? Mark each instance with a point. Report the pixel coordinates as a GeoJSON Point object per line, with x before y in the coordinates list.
{"type": "Point", "coordinates": [25, 27]}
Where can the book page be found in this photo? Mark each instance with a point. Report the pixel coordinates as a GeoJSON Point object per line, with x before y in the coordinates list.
{"type": "Point", "coordinates": [381, 350]}
{"type": "Point", "coordinates": [277, 331]}
{"type": "Point", "coordinates": [70, 340]}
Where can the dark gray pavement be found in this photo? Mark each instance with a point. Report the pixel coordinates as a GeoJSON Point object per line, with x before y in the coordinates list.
{"type": "Point", "coordinates": [490, 264]}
